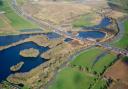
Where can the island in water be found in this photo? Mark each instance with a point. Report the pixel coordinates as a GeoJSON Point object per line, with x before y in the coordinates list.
{"type": "Point", "coordinates": [31, 52]}
{"type": "Point", "coordinates": [17, 67]}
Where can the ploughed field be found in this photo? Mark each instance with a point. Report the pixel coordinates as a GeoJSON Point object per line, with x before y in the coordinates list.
{"type": "Point", "coordinates": [119, 73]}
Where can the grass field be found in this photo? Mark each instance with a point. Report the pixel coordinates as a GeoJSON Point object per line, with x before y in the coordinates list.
{"type": "Point", "coordinates": [86, 20]}
{"type": "Point", "coordinates": [123, 43]}
{"type": "Point", "coordinates": [100, 84]}
{"type": "Point", "coordinates": [21, 2]}
{"type": "Point", "coordinates": [72, 78]}
{"type": "Point", "coordinates": [1, 23]}
{"type": "Point", "coordinates": [69, 78]}
{"type": "Point", "coordinates": [16, 21]}
{"type": "Point", "coordinates": [5, 26]}
{"type": "Point", "coordinates": [85, 59]}
{"type": "Point", "coordinates": [103, 63]}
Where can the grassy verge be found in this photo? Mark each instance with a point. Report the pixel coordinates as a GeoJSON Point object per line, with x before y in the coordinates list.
{"type": "Point", "coordinates": [123, 43]}
{"type": "Point", "coordinates": [16, 21]}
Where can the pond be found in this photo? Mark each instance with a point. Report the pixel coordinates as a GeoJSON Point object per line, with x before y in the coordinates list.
{"type": "Point", "coordinates": [52, 35]}
{"type": "Point", "coordinates": [6, 40]}
{"type": "Point", "coordinates": [91, 34]}
{"type": "Point", "coordinates": [10, 57]}
{"type": "Point", "coordinates": [103, 24]}
{"type": "Point", "coordinates": [68, 40]}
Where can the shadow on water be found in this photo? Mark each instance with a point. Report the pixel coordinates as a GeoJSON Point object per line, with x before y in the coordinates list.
{"type": "Point", "coordinates": [10, 57]}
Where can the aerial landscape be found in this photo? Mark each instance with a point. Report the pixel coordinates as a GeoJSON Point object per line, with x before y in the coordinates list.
{"type": "Point", "coordinates": [64, 44]}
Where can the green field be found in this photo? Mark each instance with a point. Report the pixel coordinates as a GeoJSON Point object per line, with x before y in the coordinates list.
{"type": "Point", "coordinates": [85, 58]}
{"type": "Point", "coordinates": [103, 63]}
{"type": "Point", "coordinates": [1, 23]}
{"type": "Point", "coordinates": [123, 43]}
{"type": "Point", "coordinates": [100, 84]}
{"type": "Point", "coordinates": [21, 2]}
{"type": "Point", "coordinates": [69, 78]}
{"type": "Point", "coordinates": [84, 21]}
{"type": "Point", "coordinates": [16, 21]}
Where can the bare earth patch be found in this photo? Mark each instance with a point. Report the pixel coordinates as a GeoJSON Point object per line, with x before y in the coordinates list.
{"type": "Point", "coordinates": [119, 71]}
{"type": "Point", "coordinates": [119, 85]}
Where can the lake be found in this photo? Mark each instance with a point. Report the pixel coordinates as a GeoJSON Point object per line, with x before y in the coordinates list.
{"type": "Point", "coordinates": [10, 57]}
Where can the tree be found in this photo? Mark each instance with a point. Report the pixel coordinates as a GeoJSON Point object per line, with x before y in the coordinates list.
{"type": "Point", "coordinates": [1, 2]}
